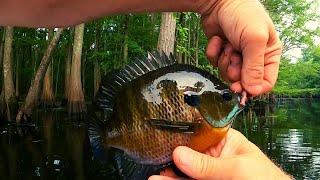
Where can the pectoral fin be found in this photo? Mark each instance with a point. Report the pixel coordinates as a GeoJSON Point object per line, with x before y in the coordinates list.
{"type": "Point", "coordinates": [176, 126]}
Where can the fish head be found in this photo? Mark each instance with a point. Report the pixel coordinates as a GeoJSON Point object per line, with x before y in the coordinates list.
{"type": "Point", "coordinates": [195, 91]}
{"type": "Point", "coordinates": [217, 104]}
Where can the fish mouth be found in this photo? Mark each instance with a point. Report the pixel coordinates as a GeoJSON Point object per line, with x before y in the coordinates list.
{"type": "Point", "coordinates": [229, 118]}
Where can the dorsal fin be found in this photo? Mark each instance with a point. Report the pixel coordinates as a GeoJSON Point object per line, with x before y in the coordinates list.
{"type": "Point", "coordinates": [114, 82]}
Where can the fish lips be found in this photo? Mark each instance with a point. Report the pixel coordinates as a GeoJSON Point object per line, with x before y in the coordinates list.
{"type": "Point", "coordinates": [229, 118]}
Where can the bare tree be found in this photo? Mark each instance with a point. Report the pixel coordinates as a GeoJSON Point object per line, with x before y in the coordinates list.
{"type": "Point", "coordinates": [76, 101]}
{"type": "Point", "coordinates": [33, 94]}
{"type": "Point", "coordinates": [167, 33]}
{"type": "Point", "coordinates": [8, 99]}
{"type": "Point", "coordinates": [97, 70]}
{"type": "Point", "coordinates": [67, 65]}
{"type": "Point", "coordinates": [47, 96]}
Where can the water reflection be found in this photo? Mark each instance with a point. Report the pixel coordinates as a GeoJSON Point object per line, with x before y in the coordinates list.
{"type": "Point", "coordinates": [54, 148]}
{"type": "Point", "coordinates": [57, 147]}
{"type": "Point", "coordinates": [289, 133]}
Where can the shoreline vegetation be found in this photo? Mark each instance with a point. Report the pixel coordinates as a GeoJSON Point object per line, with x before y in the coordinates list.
{"type": "Point", "coordinates": [296, 93]}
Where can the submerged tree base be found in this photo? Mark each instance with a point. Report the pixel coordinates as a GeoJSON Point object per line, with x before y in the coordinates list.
{"type": "Point", "coordinates": [48, 104]}
{"type": "Point", "coordinates": [76, 107]}
{"type": "Point", "coordinates": [24, 115]}
{"type": "Point", "coordinates": [8, 110]}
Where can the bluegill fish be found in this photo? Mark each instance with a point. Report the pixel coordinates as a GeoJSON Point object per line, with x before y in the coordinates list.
{"type": "Point", "coordinates": [152, 106]}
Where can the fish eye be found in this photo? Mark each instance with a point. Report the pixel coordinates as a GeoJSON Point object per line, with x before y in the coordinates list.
{"type": "Point", "coordinates": [192, 98]}
{"type": "Point", "coordinates": [227, 95]}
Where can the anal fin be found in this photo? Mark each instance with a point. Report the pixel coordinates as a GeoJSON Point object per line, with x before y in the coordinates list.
{"type": "Point", "coordinates": [131, 170]}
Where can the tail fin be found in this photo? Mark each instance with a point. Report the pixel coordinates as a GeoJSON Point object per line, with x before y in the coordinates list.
{"type": "Point", "coordinates": [96, 129]}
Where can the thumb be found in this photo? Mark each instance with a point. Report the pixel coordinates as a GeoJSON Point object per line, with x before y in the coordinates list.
{"type": "Point", "coordinates": [201, 166]}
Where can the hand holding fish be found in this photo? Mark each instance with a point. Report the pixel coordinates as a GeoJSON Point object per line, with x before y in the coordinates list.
{"type": "Point", "coordinates": [235, 157]}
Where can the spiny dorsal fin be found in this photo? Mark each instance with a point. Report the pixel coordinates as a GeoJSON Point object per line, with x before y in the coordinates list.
{"type": "Point", "coordinates": [113, 83]}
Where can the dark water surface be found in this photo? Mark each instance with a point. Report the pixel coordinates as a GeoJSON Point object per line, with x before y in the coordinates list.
{"type": "Point", "coordinates": [289, 133]}
{"type": "Point", "coordinates": [57, 147]}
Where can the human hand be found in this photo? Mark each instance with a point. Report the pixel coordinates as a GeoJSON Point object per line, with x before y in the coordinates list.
{"type": "Point", "coordinates": [235, 157]}
{"type": "Point", "coordinates": [242, 26]}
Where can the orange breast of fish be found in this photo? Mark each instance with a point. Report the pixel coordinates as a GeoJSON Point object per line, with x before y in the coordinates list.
{"type": "Point", "coordinates": [206, 137]}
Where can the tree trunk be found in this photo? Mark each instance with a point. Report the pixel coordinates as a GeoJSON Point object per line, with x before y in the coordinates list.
{"type": "Point", "coordinates": [2, 105]}
{"type": "Point", "coordinates": [17, 75]}
{"type": "Point", "coordinates": [76, 101]}
{"type": "Point", "coordinates": [126, 38]}
{"type": "Point", "coordinates": [97, 76]}
{"type": "Point", "coordinates": [188, 45]}
{"type": "Point", "coordinates": [179, 41]}
{"type": "Point", "coordinates": [47, 97]}
{"type": "Point", "coordinates": [2, 102]}
{"type": "Point", "coordinates": [167, 33]}
{"type": "Point", "coordinates": [97, 71]}
{"type": "Point", "coordinates": [67, 66]}
{"type": "Point", "coordinates": [32, 97]}
{"type": "Point", "coordinates": [83, 72]}
{"type": "Point", "coordinates": [153, 18]}
{"type": "Point", "coordinates": [1, 56]}
{"type": "Point", "coordinates": [57, 78]}
{"type": "Point", "coordinates": [10, 103]}
{"type": "Point", "coordinates": [196, 41]}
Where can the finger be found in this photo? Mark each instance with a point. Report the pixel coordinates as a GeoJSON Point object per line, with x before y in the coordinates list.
{"type": "Point", "coordinates": [236, 144]}
{"type": "Point", "coordinates": [271, 75]}
{"type": "Point", "coordinates": [215, 151]}
{"type": "Point", "coordinates": [253, 51]}
{"type": "Point", "coordinates": [236, 87]}
{"type": "Point", "coordinates": [234, 69]}
{"type": "Point", "coordinates": [214, 49]}
{"type": "Point", "coordinates": [272, 66]}
{"type": "Point", "coordinates": [157, 177]}
{"type": "Point", "coordinates": [224, 61]}
{"type": "Point", "coordinates": [201, 166]}
{"type": "Point", "coordinates": [210, 28]}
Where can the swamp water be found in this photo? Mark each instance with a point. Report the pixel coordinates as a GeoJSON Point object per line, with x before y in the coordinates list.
{"type": "Point", "coordinates": [57, 147]}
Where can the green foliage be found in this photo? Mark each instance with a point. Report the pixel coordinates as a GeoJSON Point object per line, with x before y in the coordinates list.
{"type": "Point", "coordinates": [291, 18]}
{"type": "Point", "coordinates": [307, 92]}
{"type": "Point", "coordinates": [312, 53]}
{"type": "Point", "coordinates": [299, 79]}
{"type": "Point", "coordinates": [142, 37]}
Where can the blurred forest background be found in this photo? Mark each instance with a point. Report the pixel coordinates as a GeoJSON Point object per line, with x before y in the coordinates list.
{"type": "Point", "coordinates": [54, 67]}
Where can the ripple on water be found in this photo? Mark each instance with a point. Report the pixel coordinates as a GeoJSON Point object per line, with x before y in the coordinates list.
{"type": "Point", "coordinates": [299, 152]}
{"type": "Point", "coordinates": [290, 137]}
